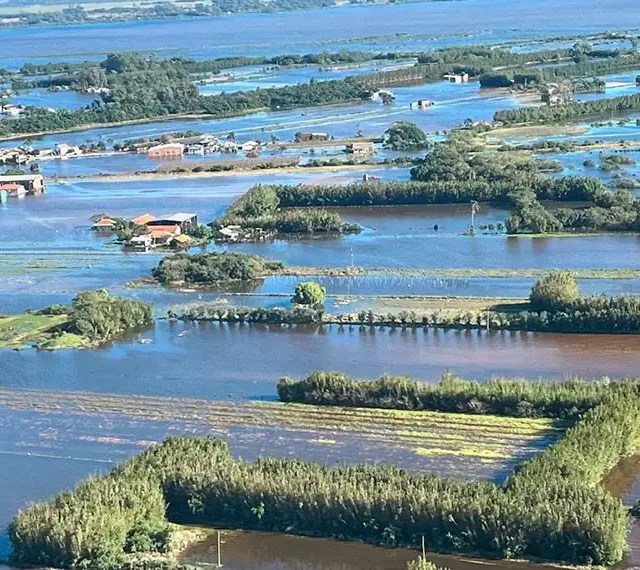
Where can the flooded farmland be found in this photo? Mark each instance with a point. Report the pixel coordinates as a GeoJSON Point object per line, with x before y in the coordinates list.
{"type": "Point", "coordinates": [67, 414]}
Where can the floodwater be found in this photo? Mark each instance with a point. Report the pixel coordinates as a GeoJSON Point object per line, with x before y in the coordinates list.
{"type": "Point", "coordinates": [453, 104]}
{"type": "Point", "coordinates": [220, 361]}
{"type": "Point", "coordinates": [433, 24]}
{"type": "Point", "coordinates": [47, 254]}
{"type": "Point", "coordinates": [48, 251]}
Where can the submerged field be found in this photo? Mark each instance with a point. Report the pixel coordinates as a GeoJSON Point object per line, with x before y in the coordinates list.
{"type": "Point", "coordinates": [463, 446]}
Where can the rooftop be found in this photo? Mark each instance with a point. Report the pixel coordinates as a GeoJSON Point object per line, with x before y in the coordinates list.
{"type": "Point", "coordinates": [143, 219]}
{"type": "Point", "coordinates": [179, 217]}
{"type": "Point", "coordinates": [20, 178]}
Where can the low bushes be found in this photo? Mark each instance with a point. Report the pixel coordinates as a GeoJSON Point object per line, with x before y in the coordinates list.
{"type": "Point", "coordinates": [520, 398]}
{"type": "Point", "coordinates": [212, 268]}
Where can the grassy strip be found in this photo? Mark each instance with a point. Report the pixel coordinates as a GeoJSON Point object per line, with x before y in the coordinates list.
{"type": "Point", "coordinates": [93, 318]}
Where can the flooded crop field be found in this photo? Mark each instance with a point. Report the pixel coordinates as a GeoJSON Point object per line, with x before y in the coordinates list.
{"type": "Point", "coordinates": [73, 434]}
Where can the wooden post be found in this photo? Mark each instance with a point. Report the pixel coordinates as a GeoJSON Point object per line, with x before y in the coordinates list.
{"type": "Point", "coordinates": [424, 552]}
{"type": "Point", "coordinates": [219, 554]}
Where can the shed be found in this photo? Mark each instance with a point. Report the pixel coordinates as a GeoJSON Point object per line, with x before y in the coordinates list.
{"type": "Point", "coordinates": [311, 137]}
{"type": "Point", "coordinates": [104, 225]}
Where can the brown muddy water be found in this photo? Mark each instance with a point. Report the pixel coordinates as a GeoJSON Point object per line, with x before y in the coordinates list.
{"type": "Point", "coordinates": [232, 361]}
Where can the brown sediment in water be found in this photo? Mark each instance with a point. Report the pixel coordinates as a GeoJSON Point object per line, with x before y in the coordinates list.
{"type": "Point", "coordinates": [242, 550]}
{"type": "Point", "coordinates": [622, 480]}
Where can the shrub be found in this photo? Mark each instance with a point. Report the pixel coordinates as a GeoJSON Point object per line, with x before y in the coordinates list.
{"type": "Point", "coordinates": [555, 291]}
{"type": "Point", "coordinates": [309, 293]}
{"type": "Point", "coordinates": [100, 316]}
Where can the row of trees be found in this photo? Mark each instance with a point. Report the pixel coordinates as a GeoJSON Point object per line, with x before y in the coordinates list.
{"type": "Point", "coordinates": [504, 397]}
{"type": "Point", "coordinates": [555, 306]}
{"type": "Point", "coordinates": [611, 107]}
{"type": "Point", "coordinates": [553, 508]}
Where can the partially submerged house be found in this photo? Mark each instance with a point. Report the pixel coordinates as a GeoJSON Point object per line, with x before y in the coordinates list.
{"type": "Point", "coordinates": [311, 137]}
{"type": "Point", "coordinates": [32, 183]}
{"type": "Point", "coordinates": [104, 225]}
{"type": "Point", "coordinates": [457, 77]}
{"type": "Point", "coordinates": [143, 220]}
{"type": "Point", "coordinates": [168, 150]}
{"type": "Point", "coordinates": [250, 146]}
{"type": "Point", "coordinates": [422, 104]}
{"type": "Point", "coordinates": [360, 148]}
{"type": "Point", "coordinates": [181, 219]}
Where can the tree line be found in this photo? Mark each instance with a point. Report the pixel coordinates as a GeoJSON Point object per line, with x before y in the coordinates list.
{"type": "Point", "coordinates": [144, 88]}
{"type": "Point", "coordinates": [503, 397]}
{"type": "Point", "coordinates": [566, 112]}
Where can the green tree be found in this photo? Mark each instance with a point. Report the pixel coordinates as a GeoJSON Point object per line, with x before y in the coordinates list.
{"type": "Point", "coordinates": [405, 135]}
{"type": "Point", "coordinates": [309, 293]}
{"type": "Point", "coordinates": [555, 291]}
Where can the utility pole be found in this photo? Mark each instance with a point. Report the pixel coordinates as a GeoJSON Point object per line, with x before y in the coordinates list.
{"type": "Point", "coordinates": [219, 564]}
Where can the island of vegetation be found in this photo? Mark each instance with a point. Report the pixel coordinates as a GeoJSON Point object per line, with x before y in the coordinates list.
{"type": "Point", "coordinates": [552, 508]}
{"type": "Point", "coordinates": [463, 169]}
{"type": "Point", "coordinates": [92, 319]}
{"type": "Point", "coordinates": [209, 269]}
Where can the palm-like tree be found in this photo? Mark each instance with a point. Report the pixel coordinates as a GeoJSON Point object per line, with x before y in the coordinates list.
{"type": "Point", "coordinates": [475, 208]}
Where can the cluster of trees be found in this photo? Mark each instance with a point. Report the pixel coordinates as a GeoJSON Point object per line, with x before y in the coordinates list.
{"type": "Point", "coordinates": [591, 64]}
{"type": "Point", "coordinates": [143, 88]}
{"type": "Point", "coordinates": [212, 268]}
{"type": "Point", "coordinates": [615, 211]}
{"type": "Point", "coordinates": [474, 60]}
{"type": "Point", "coordinates": [309, 293]}
{"type": "Point", "coordinates": [100, 317]}
{"type": "Point", "coordinates": [405, 136]}
{"type": "Point", "coordinates": [504, 397]}
{"type": "Point", "coordinates": [552, 508]}
{"type": "Point", "coordinates": [261, 208]}
{"type": "Point", "coordinates": [569, 111]}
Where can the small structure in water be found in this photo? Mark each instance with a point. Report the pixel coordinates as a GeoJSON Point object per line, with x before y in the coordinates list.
{"type": "Point", "coordinates": [365, 147]}
{"type": "Point", "coordinates": [422, 104]}
{"type": "Point", "coordinates": [18, 186]}
{"type": "Point", "coordinates": [457, 77]}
